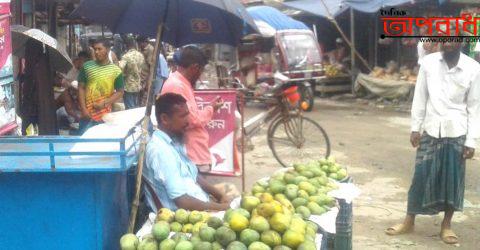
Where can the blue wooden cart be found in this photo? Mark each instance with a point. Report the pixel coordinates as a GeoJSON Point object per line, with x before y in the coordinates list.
{"type": "Point", "coordinates": [52, 198]}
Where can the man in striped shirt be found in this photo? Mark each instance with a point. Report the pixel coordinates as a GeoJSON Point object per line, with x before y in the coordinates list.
{"type": "Point", "coordinates": [100, 85]}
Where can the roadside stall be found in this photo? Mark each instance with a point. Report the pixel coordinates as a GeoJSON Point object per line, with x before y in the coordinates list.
{"type": "Point", "coordinates": [308, 206]}
{"type": "Point", "coordinates": [336, 80]}
{"type": "Point", "coordinates": [83, 192]}
{"type": "Point", "coordinates": [391, 82]}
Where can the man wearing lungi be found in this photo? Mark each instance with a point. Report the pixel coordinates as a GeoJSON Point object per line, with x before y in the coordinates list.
{"type": "Point", "coordinates": [446, 107]}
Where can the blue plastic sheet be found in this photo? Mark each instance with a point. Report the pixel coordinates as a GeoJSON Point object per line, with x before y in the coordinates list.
{"type": "Point", "coordinates": [275, 18]}
{"type": "Point", "coordinates": [336, 7]}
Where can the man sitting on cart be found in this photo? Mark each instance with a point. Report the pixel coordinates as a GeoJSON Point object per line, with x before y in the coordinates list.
{"type": "Point", "coordinates": [169, 171]}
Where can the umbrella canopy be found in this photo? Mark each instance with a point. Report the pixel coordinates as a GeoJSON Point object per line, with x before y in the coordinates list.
{"type": "Point", "coordinates": [185, 21]}
{"type": "Point", "coordinates": [59, 59]}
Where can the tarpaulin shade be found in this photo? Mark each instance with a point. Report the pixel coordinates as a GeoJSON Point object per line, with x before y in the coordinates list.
{"type": "Point", "coordinates": [372, 6]}
{"type": "Point", "coordinates": [275, 18]}
{"type": "Point", "coordinates": [336, 7]}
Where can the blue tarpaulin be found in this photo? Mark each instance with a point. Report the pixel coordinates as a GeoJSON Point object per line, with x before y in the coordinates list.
{"type": "Point", "coordinates": [275, 18]}
{"type": "Point", "coordinates": [336, 7]}
{"type": "Point", "coordinates": [371, 6]}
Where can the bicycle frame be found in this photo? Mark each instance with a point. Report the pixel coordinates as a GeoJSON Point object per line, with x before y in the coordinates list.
{"type": "Point", "coordinates": [253, 125]}
{"type": "Point", "coordinates": [280, 108]}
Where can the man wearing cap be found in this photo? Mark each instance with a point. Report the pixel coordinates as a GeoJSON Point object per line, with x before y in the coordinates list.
{"type": "Point", "coordinates": [445, 126]}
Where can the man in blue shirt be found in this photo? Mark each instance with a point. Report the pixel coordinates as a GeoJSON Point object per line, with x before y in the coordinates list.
{"type": "Point", "coordinates": [172, 175]}
{"type": "Point", "coordinates": [162, 74]}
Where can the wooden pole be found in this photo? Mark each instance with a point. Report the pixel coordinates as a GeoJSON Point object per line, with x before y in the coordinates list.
{"type": "Point", "coordinates": [376, 41]}
{"type": "Point", "coordinates": [145, 123]}
{"type": "Point", "coordinates": [34, 19]}
{"type": "Point", "coordinates": [345, 38]}
{"type": "Point", "coordinates": [52, 19]}
{"type": "Point", "coordinates": [352, 52]}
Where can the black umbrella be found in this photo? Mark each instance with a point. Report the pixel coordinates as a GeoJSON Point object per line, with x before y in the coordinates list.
{"type": "Point", "coordinates": [184, 21]}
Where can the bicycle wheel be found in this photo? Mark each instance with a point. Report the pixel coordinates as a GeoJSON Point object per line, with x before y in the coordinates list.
{"type": "Point", "coordinates": [297, 139]}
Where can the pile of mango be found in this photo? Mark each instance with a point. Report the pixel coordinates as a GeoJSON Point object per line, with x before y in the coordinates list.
{"type": "Point", "coordinates": [182, 220]}
{"type": "Point", "coordinates": [273, 216]}
{"type": "Point", "coordinates": [331, 70]}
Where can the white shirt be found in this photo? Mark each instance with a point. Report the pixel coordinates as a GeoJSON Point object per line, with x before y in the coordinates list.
{"type": "Point", "coordinates": [421, 51]}
{"type": "Point", "coordinates": [447, 101]}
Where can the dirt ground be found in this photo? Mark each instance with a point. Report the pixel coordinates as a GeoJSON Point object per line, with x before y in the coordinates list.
{"type": "Point", "coordinates": [374, 145]}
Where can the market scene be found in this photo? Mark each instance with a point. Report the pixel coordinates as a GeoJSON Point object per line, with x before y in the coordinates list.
{"type": "Point", "coordinates": [239, 124]}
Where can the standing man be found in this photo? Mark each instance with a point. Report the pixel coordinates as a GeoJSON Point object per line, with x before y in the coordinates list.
{"type": "Point", "coordinates": [172, 175]}
{"type": "Point", "coordinates": [162, 74]}
{"type": "Point", "coordinates": [147, 50]}
{"type": "Point", "coordinates": [100, 84]}
{"type": "Point", "coordinates": [131, 64]}
{"type": "Point", "coordinates": [446, 106]}
{"type": "Point", "coordinates": [190, 67]}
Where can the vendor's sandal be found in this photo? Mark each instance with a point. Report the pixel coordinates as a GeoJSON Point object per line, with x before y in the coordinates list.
{"type": "Point", "coordinates": [448, 236]}
{"type": "Point", "coordinates": [399, 229]}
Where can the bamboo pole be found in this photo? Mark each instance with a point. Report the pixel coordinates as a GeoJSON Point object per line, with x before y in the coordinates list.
{"type": "Point", "coordinates": [145, 123]}
{"type": "Point", "coordinates": [345, 38]}
{"type": "Point", "coordinates": [242, 110]}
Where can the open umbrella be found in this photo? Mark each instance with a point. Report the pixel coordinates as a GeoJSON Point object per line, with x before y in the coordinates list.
{"type": "Point", "coordinates": [185, 21]}
{"type": "Point", "coordinates": [58, 57]}
{"type": "Point", "coordinates": [177, 22]}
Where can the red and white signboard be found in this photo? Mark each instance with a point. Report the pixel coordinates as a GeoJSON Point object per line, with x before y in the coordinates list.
{"type": "Point", "coordinates": [7, 99]}
{"type": "Point", "coordinates": [221, 130]}
{"type": "Point", "coordinates": [4, 7]}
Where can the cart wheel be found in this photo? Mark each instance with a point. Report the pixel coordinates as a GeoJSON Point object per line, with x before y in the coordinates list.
{"type": "Point", "coordinates": [307, 98]}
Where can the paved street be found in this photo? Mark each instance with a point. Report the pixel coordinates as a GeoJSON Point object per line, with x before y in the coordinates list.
{"type": "Point", "coordinates": [374, 145]}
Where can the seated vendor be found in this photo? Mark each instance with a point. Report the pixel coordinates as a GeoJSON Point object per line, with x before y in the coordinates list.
{"type": "Point", "coordinates": [172, 175]}
{"type": "Point", "coordinates": [66, 107]}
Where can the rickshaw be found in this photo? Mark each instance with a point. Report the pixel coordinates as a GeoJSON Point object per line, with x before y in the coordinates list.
{"type": "Point", "coordinates": [294, 54]}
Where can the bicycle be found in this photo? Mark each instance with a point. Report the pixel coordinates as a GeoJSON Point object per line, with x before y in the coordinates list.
{"type": "Point", "coordinates": [292, 137]}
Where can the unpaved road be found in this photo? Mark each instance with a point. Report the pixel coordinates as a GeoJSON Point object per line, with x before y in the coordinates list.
{"type": "Point", "coordinates": [374, 145]}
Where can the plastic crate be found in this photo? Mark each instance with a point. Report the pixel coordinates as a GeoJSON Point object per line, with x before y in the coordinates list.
{"type": "Point", "coordinates": [50, 200]}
